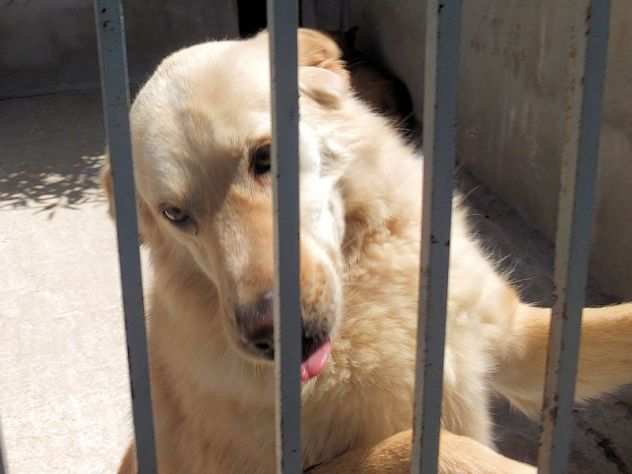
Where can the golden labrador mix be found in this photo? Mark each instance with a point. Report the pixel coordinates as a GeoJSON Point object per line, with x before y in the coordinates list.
{"type": "Point", "coordinates": [201, 145]}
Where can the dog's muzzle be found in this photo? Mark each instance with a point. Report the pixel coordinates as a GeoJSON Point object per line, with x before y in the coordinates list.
{"type": "Point", "coordinates": [255, 323]}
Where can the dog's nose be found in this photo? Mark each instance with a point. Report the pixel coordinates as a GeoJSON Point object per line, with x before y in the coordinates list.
{"type": "Point", "coordinates": [256, 325]}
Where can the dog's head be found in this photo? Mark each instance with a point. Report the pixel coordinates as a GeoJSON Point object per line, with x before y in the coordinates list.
{"type": "Point", "coordinates": [201, 133]}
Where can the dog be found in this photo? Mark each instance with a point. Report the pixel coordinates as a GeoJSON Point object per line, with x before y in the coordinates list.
{"type": "Point", "coordinates": [201, 138]}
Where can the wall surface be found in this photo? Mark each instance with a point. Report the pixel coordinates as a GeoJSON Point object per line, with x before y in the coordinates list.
{"type": "Point", "coordinates": [512, 91]}
{"type": "Point", "coordinates": [50, 46]}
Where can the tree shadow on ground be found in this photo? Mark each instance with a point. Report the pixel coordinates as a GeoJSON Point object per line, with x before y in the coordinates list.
{"type": "Point", "coordinates": [51, 151]}
{"type": "Point", "coordinates": [46, 187]}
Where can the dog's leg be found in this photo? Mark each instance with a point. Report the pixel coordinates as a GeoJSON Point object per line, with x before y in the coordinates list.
{"type": "Point", "coordinates": [458, 455]}
{"type": "Point", "coordinates": [605, 359]}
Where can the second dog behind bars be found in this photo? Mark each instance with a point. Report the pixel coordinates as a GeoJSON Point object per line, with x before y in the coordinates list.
{"type": "Point", "coordinates": [201, 148]}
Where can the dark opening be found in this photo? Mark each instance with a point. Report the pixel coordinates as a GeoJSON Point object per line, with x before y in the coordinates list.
{"type": "Point", "coordinates": [253, 16]}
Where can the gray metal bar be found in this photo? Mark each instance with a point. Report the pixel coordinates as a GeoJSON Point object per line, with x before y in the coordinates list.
{"type": "Point", "coordinates": [115, 89]}
{"type": "Point", "coordinates": [441, 71]}
{"type": "Point", "coordinates": [587, 68]}
{"type": "Point", "coordinates": [283, 22]}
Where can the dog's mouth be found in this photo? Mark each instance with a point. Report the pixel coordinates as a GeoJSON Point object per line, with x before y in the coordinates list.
{"type": "Point", "coordinates": [316, 351]}
{"type": "Point", "coordinates": [315, 341]}
{"type": "Point", "coordinates": [255, 328]}
{"type": "Point", "coordinates": [314, 359]}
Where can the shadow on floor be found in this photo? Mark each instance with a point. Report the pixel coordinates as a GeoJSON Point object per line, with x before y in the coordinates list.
{"type": "Point", "coordinates": [45, 186]}
{"type": "Point", "coordinates": [51, 152]}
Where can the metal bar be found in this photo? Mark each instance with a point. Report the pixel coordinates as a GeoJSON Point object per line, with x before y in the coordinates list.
{"type": "Point", "coordinates": [115, 89]}
{"type": "Point", "coordinates": [283, 22]}
{"type": "Point", "coordinates": [587, 67]}
{"type": "Point", "coordinates": [441, 70]}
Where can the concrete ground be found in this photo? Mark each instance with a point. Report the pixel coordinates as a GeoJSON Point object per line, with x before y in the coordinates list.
{"type": "Point", "coordinates": [64, 399]}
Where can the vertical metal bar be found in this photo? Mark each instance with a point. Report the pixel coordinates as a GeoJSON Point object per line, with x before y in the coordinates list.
{"type": "Point", "coordinates": [283, 22]}
{"type": "Point", "coordinates": [588, 58]}
{"type": "Point", "coordinates": [115, 89]}
{"type": "Point", "coordinates": [442, 62]}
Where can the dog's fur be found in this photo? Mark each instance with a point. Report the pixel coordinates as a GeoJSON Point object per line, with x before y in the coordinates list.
{"type": "Point", "coordinates": [194, 126]}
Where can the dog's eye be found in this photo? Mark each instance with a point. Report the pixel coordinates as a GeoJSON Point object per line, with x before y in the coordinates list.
{"type": "Point", "coordinates": [260, 160]}
{"type": "Point", "coordinates": [175, 215]}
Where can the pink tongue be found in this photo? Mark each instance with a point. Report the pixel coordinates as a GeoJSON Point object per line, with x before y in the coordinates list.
{"type": "Point", "coordinates": [315, 363]}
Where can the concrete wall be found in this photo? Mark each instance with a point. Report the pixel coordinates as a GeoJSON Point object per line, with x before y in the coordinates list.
{"type": "Point", "coordinates": [48, 46]}
{"type": "Point", "coordinates": [511, 104]}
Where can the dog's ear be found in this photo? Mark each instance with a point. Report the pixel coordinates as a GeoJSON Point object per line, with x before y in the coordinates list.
{"type": "Point", "coordinates": [108, 188]}
{"type": "Point", "coordinates": [319, 50]}
{"type": "Point", "coordinates": [322, 85]}
{"type": "Point", "coordinates": [322, 73]}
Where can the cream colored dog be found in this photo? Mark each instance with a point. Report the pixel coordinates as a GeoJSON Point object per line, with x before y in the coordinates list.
{"type": "Point", "coordinates": [201, 141]}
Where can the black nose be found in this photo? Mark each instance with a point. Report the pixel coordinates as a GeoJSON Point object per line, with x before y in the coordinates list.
{"type": "Point", "coordinates": [256, 325]}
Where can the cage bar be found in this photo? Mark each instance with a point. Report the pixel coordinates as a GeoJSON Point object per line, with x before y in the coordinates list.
{"type": "Point", "coordinates": [115, 90]}
{"type": "Point", "coordinates": [588, 31]}
{"type": "Point", "coordinates": [441, 73]}
{"type": "Point", "coordinates": [283, 23]}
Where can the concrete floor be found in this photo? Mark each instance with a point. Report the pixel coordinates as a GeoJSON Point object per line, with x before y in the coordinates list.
{"type": "Point", "coordinates": [64, 399]}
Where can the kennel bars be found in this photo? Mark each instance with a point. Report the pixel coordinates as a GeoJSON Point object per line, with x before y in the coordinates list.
{"type": "Point", "coordinates": [283, 22]}
{"type": "Point", "coordinates": [588, 27]}
{"type": "Point", "coordinates": [587, 55]}
{"type": "Point", "coordinates": [115, 90]}
{"type": "Point", "coordinates": [443, 34]}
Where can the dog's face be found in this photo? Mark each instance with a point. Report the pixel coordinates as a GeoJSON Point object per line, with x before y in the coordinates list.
{"type": "Point", "coordinates": [201, 135]}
